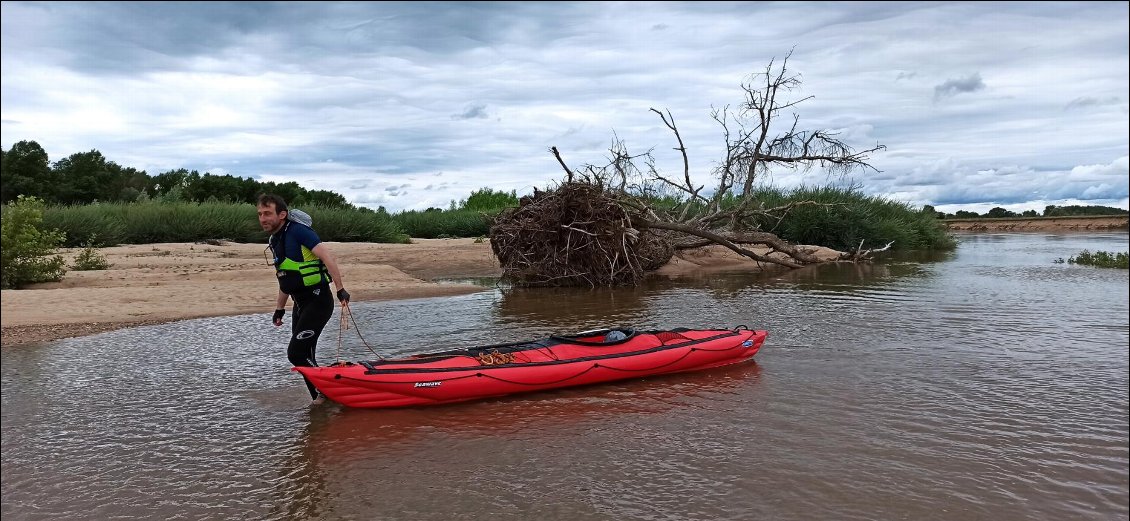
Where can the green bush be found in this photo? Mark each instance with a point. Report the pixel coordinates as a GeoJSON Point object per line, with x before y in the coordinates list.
{"type": "Point", "coordinates": [844, 218]}
{"type": "Point", "coordinates": [488, 200]}
{"type": "Point", "coordinates": [82, 223]}
{"type": "Point", "coordinates": [89, 259]}
{"type": "Point", "coordinates": [1101, 259]}
{"type": "Point", "coordinates": [28, 251]}
{"type": "Point", "coordinates": [438, 224]}
{"type": "Point", "coordinates": [841, 219]}
{"type": "Point", "coordinates": [156, 221]}
{"type": "Point", "coordinates": [352, 225]}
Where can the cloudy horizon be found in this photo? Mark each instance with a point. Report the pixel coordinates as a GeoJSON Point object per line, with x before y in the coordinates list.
{"type": "Point", "coordinates": [414, 105]}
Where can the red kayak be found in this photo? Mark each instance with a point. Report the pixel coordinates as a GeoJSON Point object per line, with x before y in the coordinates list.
{"type": "Point", "coordinates": [549, 363]}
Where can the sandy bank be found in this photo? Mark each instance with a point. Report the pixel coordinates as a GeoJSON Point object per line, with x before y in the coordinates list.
{"type": "Point", "coordinates": [1040, 224]}
{"type": "Point", "coordinates": [156, 283]}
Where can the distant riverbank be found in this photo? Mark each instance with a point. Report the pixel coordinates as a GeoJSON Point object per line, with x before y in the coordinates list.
{"type": "Point", "coordinates": [1040, 224]}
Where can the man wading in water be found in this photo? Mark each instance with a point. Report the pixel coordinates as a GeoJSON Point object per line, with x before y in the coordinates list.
{"type": "Point", "coordinates": [304, 267]}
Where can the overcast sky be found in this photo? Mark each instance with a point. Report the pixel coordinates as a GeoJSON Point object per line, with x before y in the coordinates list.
{"type": "Point", "coordinates": [413, 105]}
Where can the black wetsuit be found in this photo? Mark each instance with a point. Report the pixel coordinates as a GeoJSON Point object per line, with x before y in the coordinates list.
{"type": "Point", "coordinates": [302, 276]}
{"type": "Point", "coordinates": [312, 311]}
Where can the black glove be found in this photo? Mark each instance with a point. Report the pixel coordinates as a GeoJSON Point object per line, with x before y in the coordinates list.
{"type": "Point", "coordinates": [343, 295]}
{"type": "Point", "coordinates": [278, 315]}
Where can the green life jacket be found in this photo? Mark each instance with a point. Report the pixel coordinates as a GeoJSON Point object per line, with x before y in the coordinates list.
{"type": "Point", "coordinates": [295, 277]}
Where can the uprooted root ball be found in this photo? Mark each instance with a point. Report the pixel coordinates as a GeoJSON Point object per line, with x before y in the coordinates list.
{"type": "Point", "coordinates": [575, 235]}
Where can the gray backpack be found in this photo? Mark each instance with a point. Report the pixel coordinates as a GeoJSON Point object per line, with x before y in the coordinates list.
{"type": "Point", "coordinates": [300, 216]}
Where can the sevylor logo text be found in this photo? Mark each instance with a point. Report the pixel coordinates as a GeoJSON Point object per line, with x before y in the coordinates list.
{"type": "Point", "coordinates": [427, 384]}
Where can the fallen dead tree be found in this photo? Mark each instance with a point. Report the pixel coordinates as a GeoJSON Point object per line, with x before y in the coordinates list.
{"type": "Point", "coordinates": [604, 226]}
{"type": "Point", "coordinates": [581, 235]}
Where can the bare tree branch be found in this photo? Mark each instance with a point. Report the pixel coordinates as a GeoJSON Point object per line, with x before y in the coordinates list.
{"type": "Point", "coordinates": [557, 154]}
{"type": "Point", "coordinates": [593, 230]}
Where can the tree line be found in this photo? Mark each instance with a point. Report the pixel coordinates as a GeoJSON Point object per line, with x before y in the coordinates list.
{"type": "Point", "coordinates": [88, 177]}
{"type": "Point", "coordinates": [1049, 211]}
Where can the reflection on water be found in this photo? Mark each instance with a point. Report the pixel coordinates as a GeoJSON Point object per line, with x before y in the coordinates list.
{"type": "Point", "coordinates": [984, 383]}
{"type": "Point", "coordinates": [395, 461]}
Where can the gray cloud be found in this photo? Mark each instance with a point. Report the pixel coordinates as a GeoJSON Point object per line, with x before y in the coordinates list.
{"type": "Point", "coordinates": [473, 112]}
{"type": "Point", "coordinates": [1091, 101]}
{"type": "Point", "coordinates": [953, 87]}
{"type": "Point", "coordinates": [375, 100]}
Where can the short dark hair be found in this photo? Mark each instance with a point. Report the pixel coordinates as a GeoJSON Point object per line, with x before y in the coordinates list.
{"type": "Point", "coordinates": [272, 199]}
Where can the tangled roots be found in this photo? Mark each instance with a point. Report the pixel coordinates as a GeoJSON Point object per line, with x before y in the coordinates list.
{"type": "Point", "coordinates": [575, 235]}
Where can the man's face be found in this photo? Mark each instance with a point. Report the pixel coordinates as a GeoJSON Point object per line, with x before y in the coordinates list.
{"type": "Point", "coordinates": [269, 219]}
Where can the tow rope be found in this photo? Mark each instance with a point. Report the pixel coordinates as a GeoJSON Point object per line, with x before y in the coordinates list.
{"type": "Point", "coordinates": [344, 320]}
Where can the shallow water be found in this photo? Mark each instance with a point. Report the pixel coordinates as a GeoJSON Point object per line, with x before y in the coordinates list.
{"type": "Point", "coordinates": [986, 383]}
